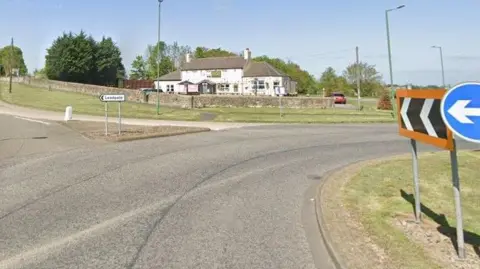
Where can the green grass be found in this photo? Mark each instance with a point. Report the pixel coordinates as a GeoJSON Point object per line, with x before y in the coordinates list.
{"type": "Point", "coordinates": [374, 196]}
{"type": "Point", "coordinates": [39, 98]}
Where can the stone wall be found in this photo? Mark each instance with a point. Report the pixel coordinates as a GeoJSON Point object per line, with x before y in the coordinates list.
{"type": "Point", "coordinates": [178, 100]}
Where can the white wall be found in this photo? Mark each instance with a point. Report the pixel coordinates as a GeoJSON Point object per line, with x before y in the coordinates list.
{"type": "Point", "coordinates": [268, 83]}
{"type": "Point", "coordinates": [164, 85]}
{"type": "Point", "coordinates": [227, 76]}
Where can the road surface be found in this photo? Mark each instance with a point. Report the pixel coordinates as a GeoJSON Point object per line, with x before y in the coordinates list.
{"type": "Point", "coordinates": [238, 198]}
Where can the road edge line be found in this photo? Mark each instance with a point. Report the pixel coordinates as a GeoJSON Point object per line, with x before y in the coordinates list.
{"type": "Point", "coordinates": [331, 175]}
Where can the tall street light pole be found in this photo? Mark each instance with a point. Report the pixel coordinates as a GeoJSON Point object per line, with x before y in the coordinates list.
{"type": "Point", "coordinates": [441, 62]}
{"type": "Point", "coordinates": [390, 54]}
{"type": "Point", "coordinates": [158, 56]}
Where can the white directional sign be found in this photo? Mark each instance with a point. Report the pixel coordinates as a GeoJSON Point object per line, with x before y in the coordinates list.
{"type": "Point", "coordinates": [112, 98]}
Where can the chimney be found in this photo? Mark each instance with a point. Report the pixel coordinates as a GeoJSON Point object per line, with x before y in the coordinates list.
{"type": "Point", "coordinates": [247, 54]}
{"type": "Point", "coordinates": [188, 57]}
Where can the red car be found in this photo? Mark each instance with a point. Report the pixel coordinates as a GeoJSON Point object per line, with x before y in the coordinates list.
{"type": "Point", "coordinates": [339, 98]}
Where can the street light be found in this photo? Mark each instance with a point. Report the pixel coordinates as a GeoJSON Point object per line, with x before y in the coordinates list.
{"type": "Point", "coordinates": [390, 53]}
{"type": "Point", "coordinates": [158, 57]}
{"type": "Point", "coordinates": [441, 62]}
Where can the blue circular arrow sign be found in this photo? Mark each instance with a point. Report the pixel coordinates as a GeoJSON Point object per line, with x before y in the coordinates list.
{"type": "Point", "coordinates": [460, 109]}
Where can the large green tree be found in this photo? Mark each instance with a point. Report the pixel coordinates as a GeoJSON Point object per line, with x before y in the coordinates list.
{"type": "Point", "coordinates": [12, 58]}
{"type": "Point", "coordinates": [330, 82]}
{"type": "Point", "coordinates": [305, 81]}
{"type": "Point", "coordinates": [79, 58]}
{"type": "Point", "coordinates": [147, 67]}
{"type": "Point", "coordinates": [109, 62]}
{"type": "Point", "coordinates": [139, 68]}
{"type": "Point", "coordinates": [370, 79]}
{"type": "Point", "coordinates": [203, 52]}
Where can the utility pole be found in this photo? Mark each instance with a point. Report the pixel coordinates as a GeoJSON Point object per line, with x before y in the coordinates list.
{"type": "Point", "coordinates": [358, 77]}
{"type": "Point", "coordinates": [11, 67]}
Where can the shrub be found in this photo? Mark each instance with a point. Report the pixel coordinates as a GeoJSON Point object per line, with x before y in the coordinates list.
{"type": "Point", "coordinates": [384, 103]}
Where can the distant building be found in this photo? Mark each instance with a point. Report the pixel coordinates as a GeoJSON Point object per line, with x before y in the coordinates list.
{"type": "Point", "coordinates": [226, 75]}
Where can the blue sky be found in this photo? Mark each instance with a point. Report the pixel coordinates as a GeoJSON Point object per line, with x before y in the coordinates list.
{"type": "Point", "coordinates": [314, 33]}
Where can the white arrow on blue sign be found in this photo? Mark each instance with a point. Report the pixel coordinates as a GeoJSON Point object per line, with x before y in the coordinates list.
{"type": "Point", "coordinates": [460, 109]}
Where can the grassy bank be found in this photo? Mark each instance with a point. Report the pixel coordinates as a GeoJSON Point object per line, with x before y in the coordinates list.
{"type": "Point", "coordinates": [39, 98]}
{"type": "Point", "coordinates": [381, 195]}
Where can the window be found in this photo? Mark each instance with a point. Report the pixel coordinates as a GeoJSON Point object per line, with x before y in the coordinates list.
{"type": "Point", "coordinates": [170, 88]}
{"type": "Point", "coordinates": [235, 87]}
{"type": "Point", "coordinates": [225, 87]}
{"type": "Point", "coordinates": [276, 84]}
{"type": "Point", "coordinates": [259, 83]}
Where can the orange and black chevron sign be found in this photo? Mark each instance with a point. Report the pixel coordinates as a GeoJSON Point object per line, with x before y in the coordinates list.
{"type": "Point", "coordinates": [419, 117]}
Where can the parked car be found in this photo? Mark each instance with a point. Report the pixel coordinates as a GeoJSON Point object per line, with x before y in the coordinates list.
{"type": "Point", "coordinates": [339, 98]}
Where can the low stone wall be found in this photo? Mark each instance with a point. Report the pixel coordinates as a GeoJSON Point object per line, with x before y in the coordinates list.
{"type": "Point", "coordinates": [178, 100]}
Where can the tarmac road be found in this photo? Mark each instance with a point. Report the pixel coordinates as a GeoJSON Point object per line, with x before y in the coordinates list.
{"type": "Point", "coordinates": [238, 198]}
{"type": "Point", "coordinates": [22, 137]}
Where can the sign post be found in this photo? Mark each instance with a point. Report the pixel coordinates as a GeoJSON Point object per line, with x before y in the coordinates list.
{"type": "Point", "coordinates": [119, 118]}
{"type": "Point", "coordinates": [280, 91]}
{"type": "Point", "coordinates": [460, 109]}
{"type": "Point", "coordinates": [119, 98]}
{"type": "Point", "coordinates": [420, 120]}
{"type": "Point", "coordinates": [106, 119]}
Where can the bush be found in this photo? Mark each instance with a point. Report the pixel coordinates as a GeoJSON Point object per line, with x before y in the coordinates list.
{"type": "Point", "coordinates": [384, 103]}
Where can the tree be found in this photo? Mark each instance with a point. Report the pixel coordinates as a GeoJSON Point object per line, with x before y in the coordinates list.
{"type": "Point", "coordinates": [166, 64]}
{"type": "Point", "coordinates": [139, 68]}
{"type": "Point", "coordinates": [203, 52]}
{"type": "Point", "coordinates": [370, 78]}
{"type": "Point", "coordinates": [305, 81]}
{"type": "Point", "coordinates": [12, 59]}
{"type": "Point", "coordinates": [39, 73]}
{"type": "Point", "coordinates": [330, 81]}
{"type": "Point", "coordinates": [109, 62]}
{"type": "Point", "coordinates": [79, 58]}
{"type": "Point", "coordinates": [145, 67]}
{"type": "Point", "coordinates": [177, 54]}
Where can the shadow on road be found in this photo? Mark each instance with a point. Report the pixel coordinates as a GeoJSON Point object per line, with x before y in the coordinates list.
{"type": "Point", "coordinates": [444, 227]}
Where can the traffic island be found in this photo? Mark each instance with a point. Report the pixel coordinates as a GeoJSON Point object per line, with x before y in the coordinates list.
{"type": "Point", "coordinates": [96, 131]}
{"type": "Point", "coordinates": [367, 209]}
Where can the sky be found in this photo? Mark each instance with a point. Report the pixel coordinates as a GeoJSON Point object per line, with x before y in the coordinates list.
{"type": "Point", "coordinates": [315, 34]}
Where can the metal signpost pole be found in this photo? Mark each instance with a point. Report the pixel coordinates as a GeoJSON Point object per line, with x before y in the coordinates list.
{"type": "Point", "coordinates": [461, 115]}
{"type": "Point", "coordinates": [458, 203]}
{"type": "Point", "coordinates": [281, 108]}
{"type": "Point", "coordinates": [106, 118]}
{"type": "Point", "coordinates": [119, 118]}
{"type": "Point", "coordinates": [416, 182]}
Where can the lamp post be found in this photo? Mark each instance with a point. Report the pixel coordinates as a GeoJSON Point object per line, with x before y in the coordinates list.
{"type": "Point", "coordinates": [390, 54]}
{"type": "Point", "coordinates": [441, 62]}
{"type": "Point", "coordinates": [158, 57]}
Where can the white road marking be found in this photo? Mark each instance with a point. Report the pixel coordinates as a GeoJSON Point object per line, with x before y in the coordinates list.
{"type": "Point", "coordinates": [32, 120]}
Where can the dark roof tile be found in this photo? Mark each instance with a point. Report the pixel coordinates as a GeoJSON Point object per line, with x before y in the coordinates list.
{"type": "Point", "coordinates": [173, 76]}
{"type": "Point", "coordinates": [261, 69]}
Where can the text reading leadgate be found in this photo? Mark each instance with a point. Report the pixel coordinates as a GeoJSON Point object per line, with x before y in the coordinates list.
{"type": "Point", "coordinates": [420, 117]}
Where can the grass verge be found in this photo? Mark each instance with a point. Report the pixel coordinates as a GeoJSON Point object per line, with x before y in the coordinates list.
{"type": "Point", "coordinates": [96, 131]}
{"type": "Point", "coordinates": [380, 197]}
{"type": "Point", "coordinates": [39, 98]}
